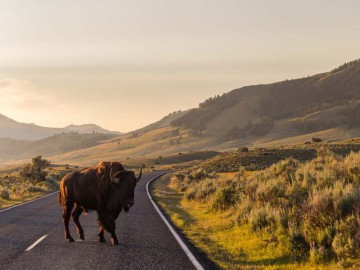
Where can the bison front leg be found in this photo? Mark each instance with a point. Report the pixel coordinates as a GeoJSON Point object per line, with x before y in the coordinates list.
{"type": "Point", "coordinates": [75, 216]}
{"type": "Point", "coordinates": [101, 235]}
{"type": "Point", "coordinates": [114, 239]}
{"type": "Point", "coordinates": [108, 222]}
{"type": "Point", "coordinates": [66, 218]}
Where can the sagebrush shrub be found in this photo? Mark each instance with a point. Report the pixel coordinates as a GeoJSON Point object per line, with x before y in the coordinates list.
{"type": "Point", "coordinates": [224, 198]}
{"type": "Point", "coordinates": [4, 194]}
{"type": "Point", "coordinates": [299, 247]}
{"type": "Point", "coordinates": [261, 219]}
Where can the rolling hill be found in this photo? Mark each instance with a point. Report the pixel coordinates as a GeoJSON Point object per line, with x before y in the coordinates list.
{"type": "Point", "coordinates": [281, 110]}
{"type": "Point", "coordinates": [11, 129]}
{"type": "Point", "coordinates": [54, 145]}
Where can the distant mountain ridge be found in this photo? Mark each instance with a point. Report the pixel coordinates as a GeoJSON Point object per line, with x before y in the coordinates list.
{"type": "Point", "coordinates": [12, 129]}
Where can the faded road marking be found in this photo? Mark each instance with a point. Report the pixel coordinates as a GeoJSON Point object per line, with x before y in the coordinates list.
{"type": "Point", "coordinates": [36, 243]}
{"type": "Point", "coordinates": [188, 253]}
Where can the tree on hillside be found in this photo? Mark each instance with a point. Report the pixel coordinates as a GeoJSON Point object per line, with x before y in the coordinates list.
{"type": "Point", "coordinates": [35, 171]}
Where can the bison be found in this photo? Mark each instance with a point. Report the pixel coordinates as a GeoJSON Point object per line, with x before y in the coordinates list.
{"type": "Point", "coordinates": [106, 188]}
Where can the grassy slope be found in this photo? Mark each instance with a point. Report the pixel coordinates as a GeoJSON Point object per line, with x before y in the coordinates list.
{"type": "Point", "coordinates": [229, 246]}
{"type": "Point", "coordinates": [164, 122]}
{"type": "Point", "coordinates": [53, 145]}
{"type": "Point", "coordinates": [284, 132]}
{"type": "Point", "coordinates": [127, 149]}
{"type": "Point", "coordinates": [300, 109]}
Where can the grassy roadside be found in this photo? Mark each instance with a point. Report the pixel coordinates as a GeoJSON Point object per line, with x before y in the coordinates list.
{"type": "Point", "coordinates": [22, 199]}
{"type": "Point", "coordinates": [229, 245]}
{"type": "Point", "coordinates": [15, 189]}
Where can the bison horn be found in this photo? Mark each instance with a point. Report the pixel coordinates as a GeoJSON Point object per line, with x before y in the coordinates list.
{"type": "Point", "coordinates": [114, 179]}
{"type": "Point", "coordinates": [139, 177]}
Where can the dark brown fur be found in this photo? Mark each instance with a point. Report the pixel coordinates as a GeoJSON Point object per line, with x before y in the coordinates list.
{"type": "Point", "coordinates": [92, 189]}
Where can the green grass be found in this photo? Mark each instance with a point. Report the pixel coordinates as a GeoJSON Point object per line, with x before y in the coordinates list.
{"type": "Point", "coordinates": [228, 246]}
{"type": "Point", "coordinates": [217, 234]}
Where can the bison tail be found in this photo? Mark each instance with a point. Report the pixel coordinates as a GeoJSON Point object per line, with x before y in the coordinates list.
{"type": "Point", "coordinates": [62, 193]}
{"type": "Point", "coordinates": [60, 198]}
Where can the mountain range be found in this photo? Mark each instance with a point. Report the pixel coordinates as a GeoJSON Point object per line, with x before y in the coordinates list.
{"type": "Point", "coordinates": [12, 129]}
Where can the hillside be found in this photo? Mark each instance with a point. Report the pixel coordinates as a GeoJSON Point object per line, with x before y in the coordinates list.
{"type": "Point", "coordinates": [164, 122]}
{"type": "Point", "coordinates": [53, 145]}
{"type": "Point", "coordinates": [12, 129]}
{"type": "Point", "coordinates": [281, 110]}
{"type": "Point", "coordinates": [90, 128]}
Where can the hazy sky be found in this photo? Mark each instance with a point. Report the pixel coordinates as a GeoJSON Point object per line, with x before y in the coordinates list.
{"type": "Point", "coordinates": [124, 64]}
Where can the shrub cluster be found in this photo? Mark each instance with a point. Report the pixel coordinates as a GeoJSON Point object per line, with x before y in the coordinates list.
{"type": "Point", "coordinates": [31, 178]}
{"type": "Point", "coordinates": [311, 209]}
{"type": "Point", "coordinates": [197, 185]}
{"type": "Point", "coordinates": [315, 205]}
{"type": "Point", "coordinates": [35, 171]}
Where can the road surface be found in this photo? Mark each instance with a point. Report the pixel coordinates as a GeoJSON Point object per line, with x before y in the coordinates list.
{"type": "Point", "coordinates": [145, 241]}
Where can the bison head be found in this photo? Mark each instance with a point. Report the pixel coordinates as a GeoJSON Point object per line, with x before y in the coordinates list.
{"type": "Point", "coordinates": [125, 182]}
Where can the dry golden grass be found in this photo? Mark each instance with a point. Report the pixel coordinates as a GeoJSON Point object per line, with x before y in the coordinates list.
{"type": "Point", "coordinates": [17, 199]}
{"type": "Point", "coordinates": [14, 190]}
{"type": "Point", "coordinates": [128, 150]}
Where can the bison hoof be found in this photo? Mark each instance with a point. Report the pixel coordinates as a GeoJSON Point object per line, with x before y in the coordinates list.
{"type": "Point", "coordinates": [71, 240]}
{"type": "Point", "coordinates": [102, 240]}
{"type": "Point", "coordinates": [115, 242]}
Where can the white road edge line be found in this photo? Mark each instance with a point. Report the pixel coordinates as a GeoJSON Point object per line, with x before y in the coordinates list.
{"type": "Point", "coordinates": [191, 256]}
{"type": "Point", "coordinates": [21, 204]}
{"type": "Point", "coordinates": [36, 243]}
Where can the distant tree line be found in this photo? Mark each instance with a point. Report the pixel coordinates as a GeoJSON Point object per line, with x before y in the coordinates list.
{"type": "Point", "coordinates": [198, 118]}
{"type": "Point", "coordinates": [300, 97]}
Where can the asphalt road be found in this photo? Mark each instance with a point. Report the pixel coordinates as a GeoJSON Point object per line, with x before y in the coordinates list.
{"type": "Point", "coordinates": [145, 241]}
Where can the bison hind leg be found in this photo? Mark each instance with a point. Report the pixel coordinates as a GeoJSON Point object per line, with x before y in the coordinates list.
{"type": "Point", "coordinates": [75, 217]}
{"type": "Point", "coordinates": [67, 208]}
